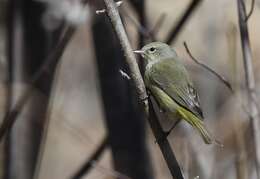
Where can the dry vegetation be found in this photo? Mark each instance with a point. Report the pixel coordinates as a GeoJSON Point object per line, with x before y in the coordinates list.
{"type": "Point", "coordinates": [76, 112]}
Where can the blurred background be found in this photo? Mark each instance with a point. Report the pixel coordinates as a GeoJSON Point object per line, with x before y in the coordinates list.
{"type": "Point", "coordinates": [83, 99]}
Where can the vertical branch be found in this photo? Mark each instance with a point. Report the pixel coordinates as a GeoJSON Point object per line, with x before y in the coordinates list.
{"type": "Point", "coordinates": [240, 146]}
{"type": "Point", "coordinates": [250, 81]}
{"type": "Point", "coordinates": [121, 115]}
{"type": "Point", "coordinates": [123, 118]}
{"type": "Point", "coordinates": [28, 45]}
{"type": "Point", "coordinates": [130, 57]}
{"type": "Point", "coordinates": [140, 88]}
{"type": "Point", "coordinates": [11, 116]}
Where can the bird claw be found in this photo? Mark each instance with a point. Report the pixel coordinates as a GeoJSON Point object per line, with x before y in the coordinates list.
{"type": "Point", "coordinates": [146, 97]}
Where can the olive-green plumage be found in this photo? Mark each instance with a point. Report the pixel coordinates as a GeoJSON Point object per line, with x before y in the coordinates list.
{"type": "Point", "coordinates": [169, 83]}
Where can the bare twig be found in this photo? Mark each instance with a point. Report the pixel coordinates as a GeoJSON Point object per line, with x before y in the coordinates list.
{"type": "Point", "coordinates": [177, 28]}
{"type": "Point", "coordinates": [140, 88]}
{"type": "Point", "coordinates": [250, 81]}
{"type": "Point", "coordinates": [221, 78]}
{"type": "Point", "coordinates": [101, 11]}
{"type": "Point", "coordinates": [53, 58]}
{"type": "Point", "coordinates": [85, 168]}
{"type": "Point", "coordinates": [124, 74]}
{"type": "Point", "coordinates": [251, 10]}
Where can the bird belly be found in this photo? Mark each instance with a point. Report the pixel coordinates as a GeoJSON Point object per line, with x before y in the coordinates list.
{"type": "Point", "coordinates": [166, 104]}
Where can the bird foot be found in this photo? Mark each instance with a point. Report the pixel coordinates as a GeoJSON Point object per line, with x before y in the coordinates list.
{"type": "Point", "coordinates": [146, 97]}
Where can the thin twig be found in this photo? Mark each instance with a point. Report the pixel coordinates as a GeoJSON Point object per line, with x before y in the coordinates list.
{"type": "Point", "coordinates": [124, 74]}
{"type": "Point", "coordinates": [221, 78]}
{"type": "Point", "coordinates": [101, 11]}
{"type": "Point", "coordinates": [85, 168]}
{"type": "Point", "coordinates": [251, 10]}
{"type": "Point", "coordinates": [140, 88]}
{"type": "Point", "coordinates": [177, 28]}
{"type": "Point", "coordinates": [250, 82]}
{"type": "Point", "coordinates": [11, 116]}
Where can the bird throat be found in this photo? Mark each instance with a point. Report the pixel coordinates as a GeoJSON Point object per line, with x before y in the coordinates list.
{"type": "Point", "coordinates": [151, 63]}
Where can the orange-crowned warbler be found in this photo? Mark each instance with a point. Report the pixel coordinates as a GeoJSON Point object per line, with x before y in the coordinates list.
{"type": "Point", "coordinates": [170, 84]}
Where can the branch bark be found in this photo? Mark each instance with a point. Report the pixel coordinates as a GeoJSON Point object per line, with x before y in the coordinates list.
{"type": "Point", "coordinates": [250, 81]}
{"type": "Point", "coordinates": [130, 57]}
{"type": "Point", "coordinates": [122, 116]}
{"type": "Point", "coordinates": [140, 88]}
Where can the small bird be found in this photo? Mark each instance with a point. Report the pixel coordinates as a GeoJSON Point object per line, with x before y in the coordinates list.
{"type": "Point", "coordinates": [169, 83]}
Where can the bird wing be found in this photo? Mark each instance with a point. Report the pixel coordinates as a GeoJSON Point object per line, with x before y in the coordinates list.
{"type": "Point", "coordinates": [172, 77]}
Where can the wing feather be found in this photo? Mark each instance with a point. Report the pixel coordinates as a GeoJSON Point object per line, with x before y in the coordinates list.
{"type": "Point", "coordinates": [173, 79]}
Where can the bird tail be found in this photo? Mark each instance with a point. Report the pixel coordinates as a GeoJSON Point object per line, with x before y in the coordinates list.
{"type": "Point", "coordinates": [199, 125]}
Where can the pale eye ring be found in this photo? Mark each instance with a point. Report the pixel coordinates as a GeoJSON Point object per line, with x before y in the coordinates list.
{"type": "Point", "coordinates": [152, 50]}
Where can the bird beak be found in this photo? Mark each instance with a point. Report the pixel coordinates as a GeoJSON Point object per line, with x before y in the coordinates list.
{"type": "Point", "coordinates": [139, 52]}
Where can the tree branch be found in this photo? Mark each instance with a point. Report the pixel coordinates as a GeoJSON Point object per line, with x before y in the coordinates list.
{"type": "Point", "coordinates": [250, 81]}
{"type": "Point", "coordinates": [221, 78]}
{"type": "Point", "coordinates": [177, 28]}
{"type": "Point", "coordinates": [140, 88]}
{"type": "Point", "coordinates": [53, 58]}
{"type": "Point", "coordinates": [85, 168]}
{"type": "Point", "coordinates": [164, 144]}
{"type": "Point", "coordinates": [130, 57]}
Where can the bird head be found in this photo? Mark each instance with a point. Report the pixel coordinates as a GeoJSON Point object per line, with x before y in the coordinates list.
{"type": "Point", "coordinates": [156, 51]}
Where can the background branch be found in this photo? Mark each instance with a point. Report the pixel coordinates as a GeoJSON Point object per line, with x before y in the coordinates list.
{"type": "Point", "coordinates": [221, 78]}
{"type": "Point", "coordinates": [180, 24]}
{"type": "Point", "coordinates": [251, 10]}
{"type": "Point", "coordinates": [85, 168]}
{"type": "Point", "coordinates": [53, 58]}
{"type": "Point", "coordinates": [250, 82]}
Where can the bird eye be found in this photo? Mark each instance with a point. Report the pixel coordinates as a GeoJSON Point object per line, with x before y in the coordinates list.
{"type": "Point", "coordinates": [152, 49]}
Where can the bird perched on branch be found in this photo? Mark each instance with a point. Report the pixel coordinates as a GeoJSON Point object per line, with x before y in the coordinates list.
{"type": "Point", "coordinates": [169, 83]}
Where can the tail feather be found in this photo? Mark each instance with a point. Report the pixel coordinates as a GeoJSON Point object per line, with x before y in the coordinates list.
{"type": "Point", "coordinates": [199, 125]}
{"type": "Point", "coordinates": [203, 131]}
